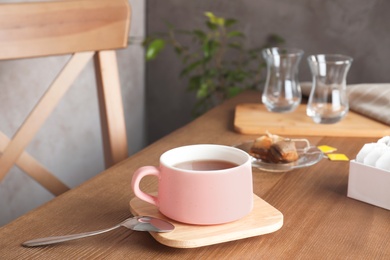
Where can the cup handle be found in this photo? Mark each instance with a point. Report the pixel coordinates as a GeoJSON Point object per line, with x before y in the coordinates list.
{"type": "Point", "coordinates": [138, 175]}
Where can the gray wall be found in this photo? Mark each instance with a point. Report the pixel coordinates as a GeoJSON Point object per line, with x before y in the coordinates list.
{"type": "Point", "coordinates": [69, 144]}
{"type": "Point", "coordinates": [358, 28]}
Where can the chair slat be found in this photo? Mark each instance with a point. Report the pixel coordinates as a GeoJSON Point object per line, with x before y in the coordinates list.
{"type": "Point", "coordinates": [37, 171]}
{"type": "Point", "coordinates": [111, 107]}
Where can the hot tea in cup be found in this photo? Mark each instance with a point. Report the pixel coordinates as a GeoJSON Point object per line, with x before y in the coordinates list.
{"type": "Point", "coordinates": [201, 184]}
{"type": "Point", "coordinates": [205, 165]}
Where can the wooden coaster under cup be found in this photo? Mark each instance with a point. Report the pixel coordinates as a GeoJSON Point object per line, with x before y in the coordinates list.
{"type": "Point", "coordinates": [262, 220]}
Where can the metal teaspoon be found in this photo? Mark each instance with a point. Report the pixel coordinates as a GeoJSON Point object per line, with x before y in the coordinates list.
{"type": "Point", "coordinates": [140, 223]}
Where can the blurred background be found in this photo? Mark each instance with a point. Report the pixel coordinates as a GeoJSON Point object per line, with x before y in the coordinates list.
{"type": "Point", "coordinates": [156, 101]}
{"type": "Point", "coordinates": [356, 28]}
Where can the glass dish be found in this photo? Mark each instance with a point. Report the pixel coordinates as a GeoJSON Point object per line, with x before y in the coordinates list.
{"type": "Point", "coordinates": [308, 156]}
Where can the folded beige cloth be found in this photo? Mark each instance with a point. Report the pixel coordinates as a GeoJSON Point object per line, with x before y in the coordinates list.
{"type": "Point", "coordinates": [371, 100]}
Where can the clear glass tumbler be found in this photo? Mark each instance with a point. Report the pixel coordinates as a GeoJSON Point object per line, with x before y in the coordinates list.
{"type": "Point", "coordinates": [282, 92]}
{"type": "Point", "coordinates": [328, 101]}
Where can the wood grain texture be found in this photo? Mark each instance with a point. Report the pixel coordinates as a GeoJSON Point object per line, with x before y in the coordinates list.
{"type": "Point", "coordinates": [111, 107]}
{"type": "Point", "coordinates": [263, 219]}
{"type": "Point", "coordinates": [62, 27]}
{"type": "Point", "coordinates": [320, 221]}
{"type": "Point", "coordinates": [253, 118]}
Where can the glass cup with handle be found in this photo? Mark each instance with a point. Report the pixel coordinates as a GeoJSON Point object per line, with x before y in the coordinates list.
{"type": "Point", "coordinates": [328, 100]}
{"type": "Point", "coordinates": [282, 92]}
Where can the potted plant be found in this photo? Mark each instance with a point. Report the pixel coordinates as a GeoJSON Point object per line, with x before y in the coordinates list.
{"type": "Point", "coordinates": [217, 63]}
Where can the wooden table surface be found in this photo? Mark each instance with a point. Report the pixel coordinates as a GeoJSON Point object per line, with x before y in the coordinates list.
{"type": "Point", "coordinates": [320, 221]}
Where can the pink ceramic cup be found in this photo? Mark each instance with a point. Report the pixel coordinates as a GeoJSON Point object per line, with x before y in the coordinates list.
{"type": "Point", "coordinates": [203, 197]}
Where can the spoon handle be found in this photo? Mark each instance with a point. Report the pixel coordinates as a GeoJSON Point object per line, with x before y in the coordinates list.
{"type": "Point", "coordinates": [58, 239]}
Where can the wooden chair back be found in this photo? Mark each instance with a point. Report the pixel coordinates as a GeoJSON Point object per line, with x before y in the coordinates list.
{"type": "Point", "coordinates": [85, 29]}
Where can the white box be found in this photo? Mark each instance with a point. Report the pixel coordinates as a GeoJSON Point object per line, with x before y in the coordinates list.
{"type": "Point", "coordinates": [369, 184]}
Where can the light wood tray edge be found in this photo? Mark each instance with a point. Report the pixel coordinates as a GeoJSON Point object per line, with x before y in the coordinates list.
{"type": "Point", "coordinates": [246, 114]}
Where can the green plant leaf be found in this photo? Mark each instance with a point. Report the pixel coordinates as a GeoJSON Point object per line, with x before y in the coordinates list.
{"type": "Point", "coordinates": [215, 19]}
{"type": "Point", "coordinates": [210, 73]}
{"type": "Point", "coordinates": [154, 48]}
{"type": "Point", "coordinates": [210, 15]}
{"type": "Point", "coordinates": [233, 91]}
{"type": "Point", "coordinates": [202, 91]}
{"type": "Point", "coordinates": [229, 22]}
{"type": "Point", "coordinates": [190, 67]}
{"type": "Point", "coordinates": [221, 21]}
{"type": "Point", "coordinates": [178, 50]}
{"type": "Point", "coordinates": [194, 83]}
{"type": "Point", "coordinates": [235, 34]}
{"type": "Point", "coordinates": [201, 35]}
{"type": "Point", "coordinates": [211, 26]}
{"type": "Point", "coordinates": [209, 48]}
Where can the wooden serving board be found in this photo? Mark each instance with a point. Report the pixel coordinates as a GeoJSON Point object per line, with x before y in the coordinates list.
{"type": "Point", "coordinates": [256, 119]}
{"type": "Point", "coordinates": [263, 219]}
